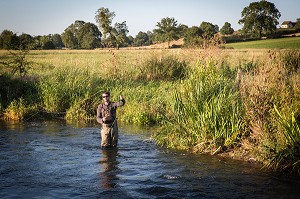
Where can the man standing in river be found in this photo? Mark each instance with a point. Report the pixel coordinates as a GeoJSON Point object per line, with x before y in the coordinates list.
{"type": "Point", "coordinates": [107, 117]}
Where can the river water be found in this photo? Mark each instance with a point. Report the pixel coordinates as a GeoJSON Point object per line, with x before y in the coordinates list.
{"type": "Point", "coordinates": [59, 160]}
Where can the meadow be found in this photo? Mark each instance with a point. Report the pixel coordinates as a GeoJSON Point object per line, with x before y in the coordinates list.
{"type": "Point", "coordinates": [243, 103]}
{"type": "Point", "coordinates": [281, 43]}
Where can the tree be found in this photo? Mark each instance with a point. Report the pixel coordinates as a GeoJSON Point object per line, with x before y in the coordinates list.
{"type": "Point", "coordinates": [297, 26]}
{"type": "Point", "coordinates": [90, 36]}
{"type": "Point", "coordinates": [130, 40]}
{"type": "Point", "coordinates": [57, 41]}
{"type": "Point", "coordinates": [193, 36]}
{"type": "Point", "coordinates": [46, 42]}
{"type": "Point", "coordinates": [104, 20]}
{"type": "Point", "coordinates": [81, 35]}
{"type": "Point", "coordinates": [142, 39]}
{"type": "Point", "coordinates": [208, 30]}
{"type": "Point", "coordinates": [9, 40]}
{"type": "Point", "coordinates": [167, 29]}
{"type": "Point", "coordinates": [26, 41]}
{"type": "Point", "coordinates": [120, 32]}
{"type": "Point", "coordinates": [69, 39]}
{"type": "Point", "coordinates": [182, 29]}
{"type": "Point", "coordinates": [226, 29]}
{"type": "Point", "coordinates": [260, 18]}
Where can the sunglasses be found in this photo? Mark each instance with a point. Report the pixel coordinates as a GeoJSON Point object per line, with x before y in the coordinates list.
{"type": "Point", "coordinates": [105, 96]}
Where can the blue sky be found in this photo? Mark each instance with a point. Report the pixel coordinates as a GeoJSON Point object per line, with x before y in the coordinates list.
{"type": "Point", "coordinates": [42, 17]}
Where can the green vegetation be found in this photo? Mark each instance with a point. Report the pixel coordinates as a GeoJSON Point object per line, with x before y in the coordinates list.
{"type": "Point", "coordinates": [282, 43]}
{"type": "Point", "coordinates": [206, 101]}
{"type": "Point", "coordinates": [260, 18]}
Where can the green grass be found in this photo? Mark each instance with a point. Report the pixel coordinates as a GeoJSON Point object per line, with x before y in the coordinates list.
{"type": "Point", "coordinates": [282, 43]}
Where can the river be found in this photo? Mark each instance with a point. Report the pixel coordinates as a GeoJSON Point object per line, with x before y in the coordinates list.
{"type": "Point", "coordinates": [57, 160]}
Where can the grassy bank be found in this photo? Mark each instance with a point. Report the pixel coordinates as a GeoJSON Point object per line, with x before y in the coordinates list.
{"type": "Point", "coordinates": [244, 103]}
{"type": "Point", "coordinates": [282, 43]}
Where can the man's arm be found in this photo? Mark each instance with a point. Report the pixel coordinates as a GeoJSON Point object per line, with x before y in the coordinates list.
{"type": "Point", "coordinates": [121, 102]}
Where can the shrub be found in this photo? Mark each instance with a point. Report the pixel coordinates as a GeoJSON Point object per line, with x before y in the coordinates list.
{"type": "Point", "coordinates": [18, 110]}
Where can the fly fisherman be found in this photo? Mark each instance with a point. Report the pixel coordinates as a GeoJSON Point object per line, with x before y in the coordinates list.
{"type": "Point", "coordinates": [107, 117]}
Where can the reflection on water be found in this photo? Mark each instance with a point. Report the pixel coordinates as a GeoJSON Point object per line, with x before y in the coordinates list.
{"type": "Point", "coordinates": [59, 160]}
{"type": "Point", "coordinates": [108, 175]}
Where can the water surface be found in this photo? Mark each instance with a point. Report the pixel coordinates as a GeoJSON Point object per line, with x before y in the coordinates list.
{"type": "Point", "coordinates": [59, 160]}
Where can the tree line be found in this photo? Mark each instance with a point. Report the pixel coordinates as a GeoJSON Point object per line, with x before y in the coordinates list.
{"type": "Point", "coordinates": [258, 19]}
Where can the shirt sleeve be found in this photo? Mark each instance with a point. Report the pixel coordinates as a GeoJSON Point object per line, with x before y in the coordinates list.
{"type": "Point", "coordinates": [99, 115]}
{"type": "Point", "coordinates": [120, 103]}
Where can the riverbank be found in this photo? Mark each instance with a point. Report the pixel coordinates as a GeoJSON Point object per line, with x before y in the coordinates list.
{"type": "Point", "coordinates": [205, 101]}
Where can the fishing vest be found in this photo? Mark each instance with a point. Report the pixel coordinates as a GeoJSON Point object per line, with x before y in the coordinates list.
{"type": "Point", "coordinates": [109, 112]}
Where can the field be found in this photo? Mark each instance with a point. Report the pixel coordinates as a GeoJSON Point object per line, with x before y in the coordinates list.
{"type": "Point", "coordinates": [206, 101]}
{"type": "Point", "coordinates": [282, 43]}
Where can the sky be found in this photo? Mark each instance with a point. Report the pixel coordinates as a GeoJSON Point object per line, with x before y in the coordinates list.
{"type": "Point", "coordinates": [43, 17]}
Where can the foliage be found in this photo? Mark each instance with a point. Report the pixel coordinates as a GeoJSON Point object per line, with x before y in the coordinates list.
{"type": "Point", "coordinates": [63, 88]}
{"type": "Point", "coordinates": [142, 39]}
{"type": "Point", "coordinates": [270, 94]}
{"type": "Point", "coordinates": [226, 29]}
{"type": "Point", "coordinates": [16, 110]}
{"type": "Point", "coordinates": [120, 33]}
{"type": "Point", "coordinates": [57, 41]}
{"type": "Point", "coordinates": [260, 18]}
{"type": "Point", "coordinates": [297, 26]}
{"type": "Point", "coordinates": [13, 89]}
{"type": "Point", "coordinates": [208, 30]}
{"type": "Point", "coordinates": [206, 112]}
{"type": "Point", "coordinates": [81, 35]}
{"type": "Point", "coordinates": [9, 40]}
{"type": "Point", "coordinates": [104, 20]}
{"type": "Point", "coordinates": [17, 62]}
{"type": "Point", "coordinates": [288, 154]}
{"type": "Point", "coordinates": [193, 36]}
{"type": "Point", "coordinates": [26, 41]}
{"type": "Point", "coordinates": [167, 30]}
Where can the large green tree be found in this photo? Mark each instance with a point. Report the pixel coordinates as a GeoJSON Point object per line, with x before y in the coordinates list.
{"type": "Point", "coordinates": [260, 18]}
{"type": "Point", "coordinates": [120, 32]}
{"type": "Point", "coordinates": [167, 30]}
{"type": "Point", "coordinates": [69, 39]}
{"type": "Point", "coordinates": [142, 39]}
{"type": "Point", "coordinates": [208, 29]}
{"type": "Point", "coordinates": [226, 29]}
{"type": "Point", "coordinates": [90, 36]}
{"type": "Point", "coordinates": [104, 21]}
{"type": "Point", "coordinates": [26, 41]}
{"type": "Point", "coordinates": [193, 36]}
{"type": "Point", "coordinates": [9, 40]}
{"type": "Point", "coordinates": [81, 35]}
{"type": "Point", "coordinates": [57, 41]}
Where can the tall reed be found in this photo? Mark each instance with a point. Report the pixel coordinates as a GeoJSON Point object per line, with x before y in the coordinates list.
{"type": "Point", "coordinates": [287, 154]}
{"type": "Point", "coordinates": [206, 112]}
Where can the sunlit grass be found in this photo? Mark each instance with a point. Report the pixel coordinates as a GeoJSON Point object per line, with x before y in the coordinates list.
{"type": "Point", "coordinates": [282, 43]}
